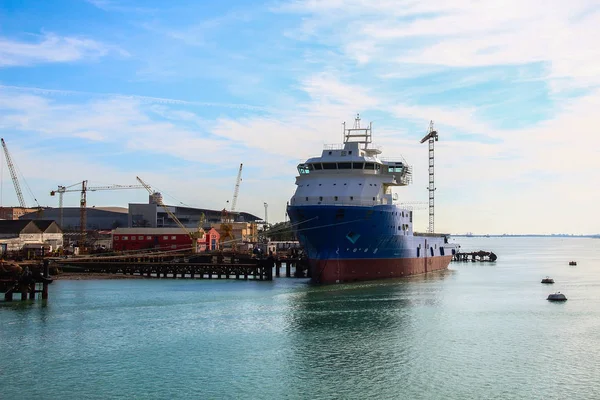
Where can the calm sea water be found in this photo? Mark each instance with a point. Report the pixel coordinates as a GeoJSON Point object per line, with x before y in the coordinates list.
{"type": "Point", "coordinates": [477, 331]}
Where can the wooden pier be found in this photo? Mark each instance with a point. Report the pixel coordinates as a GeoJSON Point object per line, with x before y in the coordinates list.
{"type": "Point", "coordinates": [25, 280]}
{"type": "Point", "coordinates": [481, 256]}
{"type": "Point", "coordinates": [232, 266]}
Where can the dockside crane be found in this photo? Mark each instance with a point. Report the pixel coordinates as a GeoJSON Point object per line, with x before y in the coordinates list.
{"type": "Point", "coordinates": [15, 179]}
{"type": "Point", "coordinates": [432, 137]}
{"type": "Point", "coordinates": [84, 188]}
{"type": "Point", "coordinates": [236, 191]}
{"type": "Point", "coordinates": [159, 201]}
{"type": "Point", "coordinates": [13, 175]}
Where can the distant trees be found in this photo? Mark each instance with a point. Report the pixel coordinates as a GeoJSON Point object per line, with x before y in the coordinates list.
{"type": "Point", "coordinates": [281, 232]}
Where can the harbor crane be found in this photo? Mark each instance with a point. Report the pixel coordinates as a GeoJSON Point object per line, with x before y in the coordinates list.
{"type": "Point", "coordinates": [83, 203]}
{"type": "Point", "coordinates": [432, 137]}
{"type": "Point", "coordinates": [13, 175]}
{"type": "Point", "coordinates": [159, 201]}
{"type": "Point", "coordinates": [236, 191]}
{"type": "Point", "coordinates": [15, 179]}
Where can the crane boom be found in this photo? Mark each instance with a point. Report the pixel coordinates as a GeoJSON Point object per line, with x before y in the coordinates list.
{"type": "Point", "coordinates": [236, 191]}
{"type": "Point", "coordinates": [13, 175]}
{"type": "Point", "coordinates": [169, 212]}
{"type": "Point", "coordinates": [84, 188]}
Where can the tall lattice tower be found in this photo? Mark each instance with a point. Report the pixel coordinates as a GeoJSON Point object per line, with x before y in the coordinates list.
{"type": "Point", "coordinates": [432, 137]}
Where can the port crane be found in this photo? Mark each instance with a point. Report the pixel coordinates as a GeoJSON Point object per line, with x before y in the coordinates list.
{"type": "Point", "coordinates": [236, 191]}
{"type": "Point", "coordinates": [15, 180]}
{"type": "Point", "coordinates": [192, 235]}
{"type": "Point", "coordinates": [84, 188]}
{"type": "Point", "coordinates": [432, 137]}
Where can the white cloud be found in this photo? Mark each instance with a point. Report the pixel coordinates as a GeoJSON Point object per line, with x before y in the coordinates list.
{"type": "Point", "coordinates": [461, 33]}
{"type": "Point", "coordinates": [51, 48]}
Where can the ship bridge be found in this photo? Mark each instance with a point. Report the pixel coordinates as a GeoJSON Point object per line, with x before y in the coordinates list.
{"type": "Point", "coordinates": [351, 173]}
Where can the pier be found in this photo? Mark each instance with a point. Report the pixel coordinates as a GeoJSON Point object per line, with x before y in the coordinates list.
{"type": "Point", "coordinates": [481, 256]}
{"type": "Point", "coordinates": [26, 280]}
{"type": "Point", "coordinates": [165, 265]}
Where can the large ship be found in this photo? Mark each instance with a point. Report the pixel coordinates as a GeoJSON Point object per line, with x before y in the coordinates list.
{"type": "Point", "coordinates": [349, 221]}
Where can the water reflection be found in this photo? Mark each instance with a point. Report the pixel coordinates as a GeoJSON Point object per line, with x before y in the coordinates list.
{"type": "Point", "coordinates": [357, 338]}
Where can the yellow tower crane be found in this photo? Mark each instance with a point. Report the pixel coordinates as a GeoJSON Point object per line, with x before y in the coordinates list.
{"type": "Point", "coordinates": [83, 203]}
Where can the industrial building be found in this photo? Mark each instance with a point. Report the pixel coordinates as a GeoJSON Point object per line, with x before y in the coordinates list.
{"type": "Point", "coordinates": [98, 218]}
{"type": "Point", "coordinates": [35, 235]}
{"type": "Point", "coordinates": [131, 239]}
{"type": "Point", "coordinates": [153, 215]}
{"type": "Point", "coordinates": [12, 213]}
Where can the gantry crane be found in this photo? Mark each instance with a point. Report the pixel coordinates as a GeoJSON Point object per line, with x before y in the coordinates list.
{"type": "Point", "coordinates": [432, 136]}
{"type": "Point", "coordinates": [83, 203]}
{"type": "Point", "coordinates": [236, 191]}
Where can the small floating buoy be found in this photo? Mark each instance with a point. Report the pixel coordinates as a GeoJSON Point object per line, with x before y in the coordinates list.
{"type": "Point", "coordinates": [547, 280]}
{"type": "Point", "coordinates": [572, 262]}
{"type": "Point", "coordinates": [558, 296]}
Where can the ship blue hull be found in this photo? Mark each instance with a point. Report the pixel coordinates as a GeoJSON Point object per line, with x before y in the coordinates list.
{"type": "Point", "coordinates": [351, 243]}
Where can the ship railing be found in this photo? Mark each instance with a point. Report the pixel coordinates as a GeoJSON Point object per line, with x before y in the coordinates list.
{"type": "Point", "coordinates": [334, 146]}
{"type": "Point", "coordinates": [356, 203]}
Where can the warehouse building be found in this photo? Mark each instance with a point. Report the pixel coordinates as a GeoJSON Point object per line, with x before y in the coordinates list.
{"type": "Point", "coordinates": [98, 218]}
{"type": "Point", "coordinates": [24, 235]}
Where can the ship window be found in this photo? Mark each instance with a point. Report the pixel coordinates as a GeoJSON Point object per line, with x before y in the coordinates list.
{"type": "Point", "coordinates": [125, 237]}
{"type": "Point", "coordinates": [336, 198]}
{"type": "Point", "coordinates": [318, 166]}
{"type": "Point", "coordinates": [307, 199]}
{"type": "Point", "coordinates": [351, 197]}
{"type": "Point", "coordinates": [311, 167]}
{"type": "Point", "coordinates": [377, 167]}
{"type": "Point", "coordinates": [399, 228]}
{"type": "Point", "coordinates": [369, 165]}
{"type": "Point", "coordinates": [345, 184]}
{"type": "Point", "coordinates": [329, 153]}
{"type": "Point", "coordinates": [320, 198]}
{"type": "Point", "coordinates": [350, 152]}
{"type": "Point", "coordinates": [410, 216]}
{"type": "Point", "coordinates": [360, 184]}
{"type": "Point", "coordinates": [373, 198]}
{"type": "Point", "coordinates": [344, 165]}
{"type": "Point", "coordinates": [116, 238]}
{"type": "Point", "coordinates": [335, 184]}
{"type": "Point", "coordinates": [303, 169]}
{"type": "Point", "coordinates": [329, 165]}
{"type": "Point", "coordinates": [358, 165]}
{"type": "Point", "coordinates": [319, 184]}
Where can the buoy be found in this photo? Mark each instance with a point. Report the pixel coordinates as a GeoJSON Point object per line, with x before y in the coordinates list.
{"type": "Point", "coordinates": [558, 296]}
{"type": "Point", "coordinates": [547, 280]}
{"type": "Point", "coordinates": [572, 262]}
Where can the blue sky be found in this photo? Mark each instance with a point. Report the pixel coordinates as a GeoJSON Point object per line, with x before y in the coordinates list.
{"type": "Point", "coordinates": [180, 93]}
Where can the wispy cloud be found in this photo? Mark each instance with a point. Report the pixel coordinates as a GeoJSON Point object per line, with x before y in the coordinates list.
{"type": "Point", "coordinates": [51, 48]}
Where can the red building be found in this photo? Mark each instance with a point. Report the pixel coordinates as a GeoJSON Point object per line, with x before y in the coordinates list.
{"type": "Point", "coordinates": [210, 240]}
{"type": "Point", "coordinates": [128, 239]}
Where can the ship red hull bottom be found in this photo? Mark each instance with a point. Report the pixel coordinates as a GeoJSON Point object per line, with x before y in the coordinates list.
{"type": "Point", "coordinates": [348, 270]}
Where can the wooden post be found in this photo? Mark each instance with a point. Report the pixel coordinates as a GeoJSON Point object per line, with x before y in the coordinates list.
{"type": "Point", "coordinates": [23, 292]}
{"type": "Point", "coordinates": [8, 296]}
{"type": "Point", "coordinates": [45, 291]}
{"type": "Point", "coordinates": [288, 269]}
{"type": "Point", "coordinates": [277, 267]}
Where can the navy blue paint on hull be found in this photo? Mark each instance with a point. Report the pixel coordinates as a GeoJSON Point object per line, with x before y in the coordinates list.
{"type": "Point", "coordinates": [349, 232]}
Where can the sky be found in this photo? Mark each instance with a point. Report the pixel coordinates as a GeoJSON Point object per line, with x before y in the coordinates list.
{"type": "Point", "coordinates": [180, 93]}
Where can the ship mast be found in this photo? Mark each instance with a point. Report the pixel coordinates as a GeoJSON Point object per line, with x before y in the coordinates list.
{"type": "Point", "coordinates": [432, 136]}
{"type": "Point", "coordinates": [358, 134]}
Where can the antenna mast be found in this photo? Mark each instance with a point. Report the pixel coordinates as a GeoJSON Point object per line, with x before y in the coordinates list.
{"type": "Point", "coordinates": [432, 136]}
